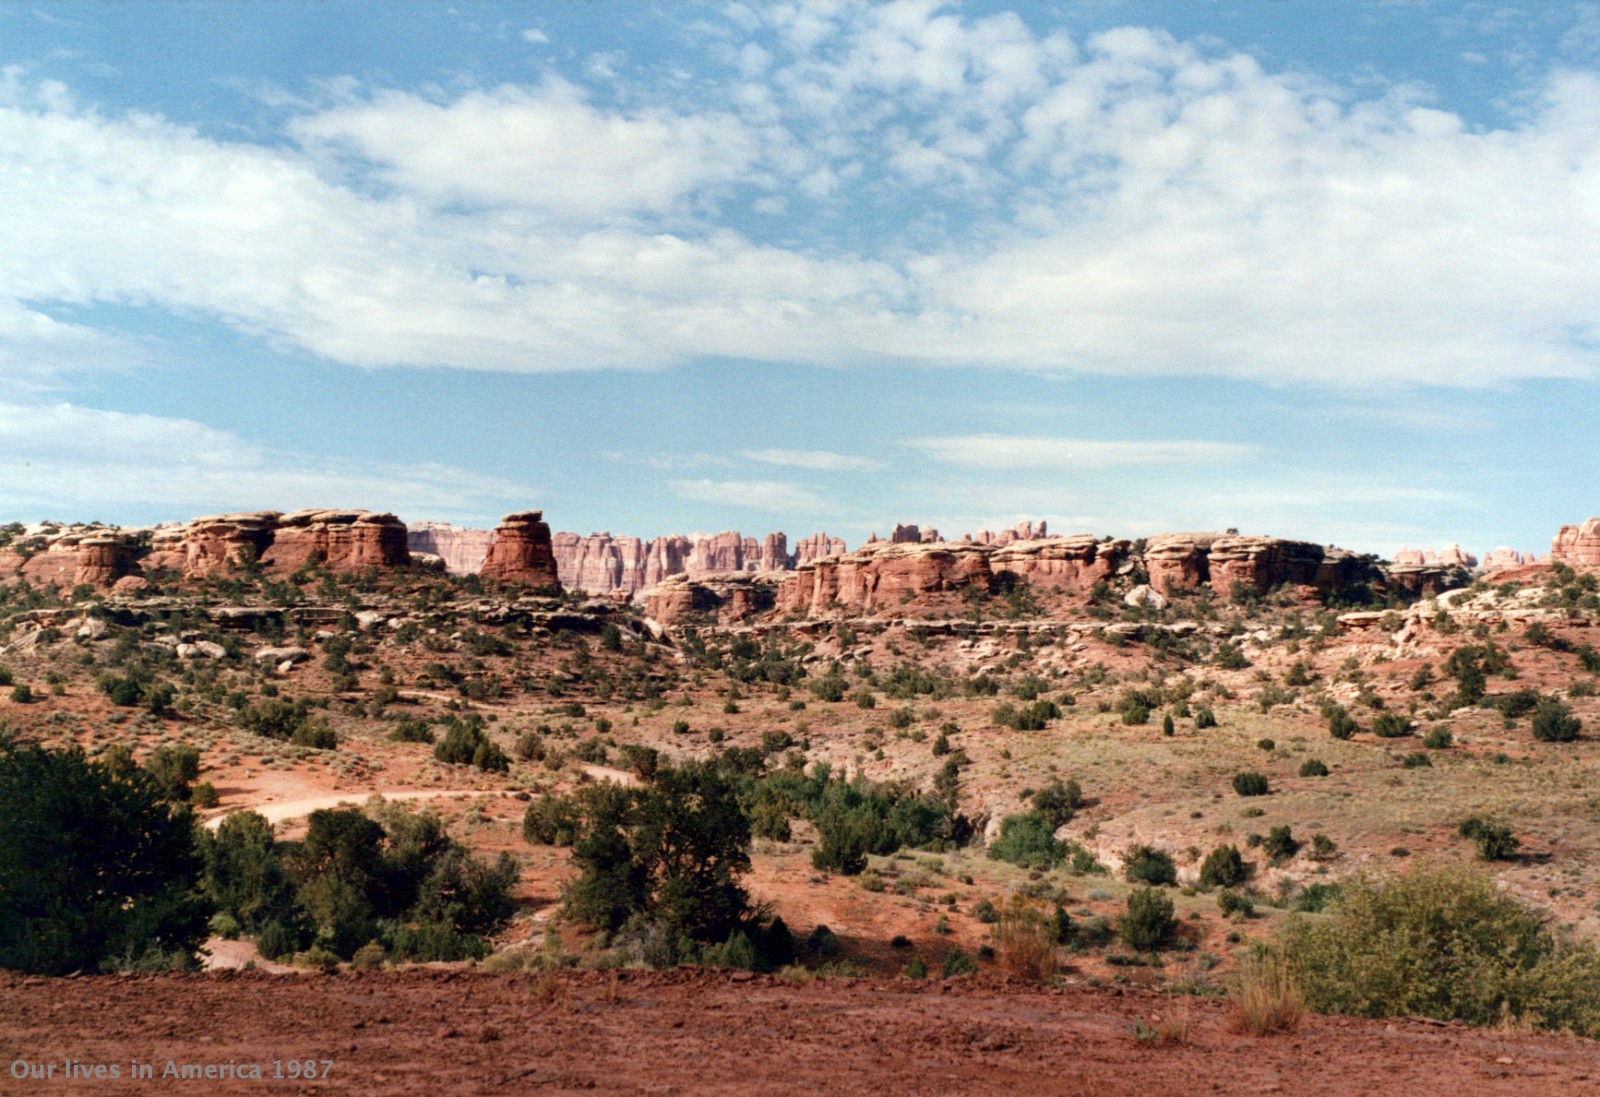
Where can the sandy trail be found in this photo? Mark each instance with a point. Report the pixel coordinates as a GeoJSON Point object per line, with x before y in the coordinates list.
{"type": "Point", "coordinates": [284, 810]}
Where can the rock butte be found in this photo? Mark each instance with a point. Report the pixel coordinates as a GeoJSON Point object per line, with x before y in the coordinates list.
{"type": "Point", "coordinates": [734, 576]}
{"type": "Point", "coordinates": [520, 552]}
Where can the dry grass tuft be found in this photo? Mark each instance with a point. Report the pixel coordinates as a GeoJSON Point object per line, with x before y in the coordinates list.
{"type": "Point", "coordinates": [1268, 999]}
{"type": "Point", "coordinates": [1024, 942]}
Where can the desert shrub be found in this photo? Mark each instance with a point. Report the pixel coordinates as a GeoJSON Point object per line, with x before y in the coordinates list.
{"type": "Point", "coordinates": [204, 795]}
{"type": "Point", "coordinates": [1250, 784]}
{"type": "Point", "coordinates": [1028, 840]}
{"type": "Point", "coordinates": [1058, 802]}
{"type": "Point", "coordinates": [1024, 941]}
{"type": "Point", "coordinates": [465, 743]}
{"type": "Point", "coordinates": [1030, 717]}
{"type": "Point", "coordinates": [1438, 738]}
{"type": "Point", "coordinates": [1223, 868]}
{"type": "Point", "coordinates": [674, 852]}
{"type": "Point", "coordinates": [1205, 718]}
{"type": "Point", "coordinates": [273, 717]}
{"type": "Point", "coordinates": [245, 877]}
{"type": "Point", "coordinates": [1495, 841]}
{"type": "Point", "coordinates": [1391, 725]}
{"type": "Point", "coordinates": [1280, 845]}
{"type": "Point", "coordinates": [1313, 767]}
{"type": "Point", "coordinates": [1314, 898]}
{"type": "Point", "coordinates": [552, 821]}
{"type": "Point", "coordinates": [1231, 902]}
{"type": "Point", "coordinates": [1517, 703]}
{"type": "Point", "coordinates": [411, 730]}
{"type": "Point", "coordinates": [1341, 725]}
{"type": "Point", "coordinates": [1149, 922]}
{"type": "Point", "coordinates": [1144, 865]}
{"type": "Point", "coordinates": [957, 963]}
{"type": "Point", "coordinates": [277, 940]}
{"type": "Point", "coordinates": [1266, 998]}
{"type": "Point", "coordinates": [984, 911]}
{"type": "Point", "coordinates": [1441, 942]}
{"type": "Point", "coordinates": [916, 969]}
{"type": "Point", "coordinates": [174, 769]}
{"type": "Point", "coordinates": [315, 734]}
{"type": "Point", "coordinates": [1553, 722]}
{"type": "Point", "coordinates": [98, 868]}
{"type": "Point", "coordinates": [1416, 760]}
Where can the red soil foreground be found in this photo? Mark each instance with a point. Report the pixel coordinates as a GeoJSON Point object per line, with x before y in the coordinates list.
{"type": "Point", "coordinates": [450, 1033]}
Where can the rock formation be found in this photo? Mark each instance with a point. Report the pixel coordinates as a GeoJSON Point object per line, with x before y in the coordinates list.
{"type": "Point", "coordinates": [1504, 559]}
{"type": "Point", "coordinates": [731, 598]}
{"type": "Point", "coordinates": [1450, 556]}
{"type": "Point", "coordinates": [462, 550]}
{"type": "Point", "coordinates": [339, 540]}
{"type": "Point", "coordinates": [601, 564]}
{"type": "Point", "coordinates": [1022, 531]}
{"type": "Point", "coordinates": [882, 577]}
{"type": "Point", "coordinates": [1178, 561]}
{"type": "Point", "coordinates": [521, 552]}
{"type": "Point", "coordinates": [75, 556]}
{"type": "Point", "coordinates": [1578, 546]}
{"type": "Point", "coordinates": [1060, 563]}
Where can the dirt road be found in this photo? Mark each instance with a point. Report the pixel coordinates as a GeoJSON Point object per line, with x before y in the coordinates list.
{"type": "Point", "coordinates": [454, 1034]}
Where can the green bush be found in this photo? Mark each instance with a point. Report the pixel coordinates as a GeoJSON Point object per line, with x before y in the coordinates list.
{"type": "Point", "coordinates": [552, 821]}
{"type": "Point", "coordinates": [1313, 767]}
{"type": "Point", "coordinates": [1205, 718]}
{"type": "Point", "coordinates": [1144, 865]}
{"type": "Point", "coordinates": [465, 743]}
{"type": "Point", "coordinates": [1223, 867]}
{"type": "Point", "coordinates": [174, 768]}
{"type": "Point", "coordinates": [1341, 725]}
{"type": "Point", "coordinates": [1149, 922]}
{"type": "Point", "coordinates": [98, 868]}
{"type": "Point", "coordinates": [1391, 725]}
{"type": "Point", "coordinates": [411, 730]}
{"type": "Point", "coordinates": [1445, 943]}
{"type": "Point", "coordinates": [1553, 722]}
{"type": "Point", "coordinates": [1058, 802]}
{"type": "Point", "coordinates": [1230, 902]}
{"type": "Point", "coordinates": [1495, 841]}
{"type": "Point", "coordinates": [957, 963]}
{"type": "Point", "coordinates": [1438, 738]}
{"type": "Point", "coordinates": [1028, 840]}
{"type": "Point", "coordinates": [1250, 784]}
{"type": "Point", "coordinates": [1280, 845]}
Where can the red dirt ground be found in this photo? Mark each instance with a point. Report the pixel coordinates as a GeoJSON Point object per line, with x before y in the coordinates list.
{"type": "Point", "coordinates": [453, 1034]}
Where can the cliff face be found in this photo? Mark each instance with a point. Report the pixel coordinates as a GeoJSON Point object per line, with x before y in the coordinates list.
{"type": "Point", "coordinates": [600, 563]}
{"type": "Point", "coordinates": [462, 550]}
{"type": "Point", "coordinates": [339, 540]}
{"type": "Point", "coordinates": [1578, 546]}
{"type": "Point", "coordinates": [521, 552]}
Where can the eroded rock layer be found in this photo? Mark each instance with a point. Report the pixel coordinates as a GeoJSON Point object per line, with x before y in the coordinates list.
{"type": "Point", "coordinates": [521, 552]}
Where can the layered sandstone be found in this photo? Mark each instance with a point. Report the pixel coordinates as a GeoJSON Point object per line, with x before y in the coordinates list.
{"type": "Point", "coordinates": [1022, 531]}
{"type": "Point", "coordinates": [601, 564]}
{"type": "Point", "coordinates": [1060, 563]}
{"type": "Point", "coordinates": [883, 577]}
{"type": "Point", "coordinates": [1450, 556]}
{"type": "Point", "coordinates": [462, 550]}
{"type": "Point", "coordinates": [1505, 559]}
{"type": "Point", "coordinates": [521, 552]}
{"type": "Point", "coordinates": [731, 598]}
{"type": "Point", "coordinates": [338, 540]}
{"type": "Point", "coordinates": [76, 556]}
{"type": "Point", "coordinates": [1578, 546]}
{"type": "Point", "coordinates": [1178, 561]}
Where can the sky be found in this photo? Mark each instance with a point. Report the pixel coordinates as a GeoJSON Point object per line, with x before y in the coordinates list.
{"type": "Point", "coordinates": [1313, 270]}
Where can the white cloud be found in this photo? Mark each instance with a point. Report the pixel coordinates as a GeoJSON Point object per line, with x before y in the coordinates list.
{"type": "Point", "coordinates": [814, 459]}
{"type": "Point", "coordinates": [760, 494]}
{"type": "Point", "coordinates": [1131, 204]}
{"type": "Point", "coordinates": [65, 461]}
{"type": "Point", "coordinates": [535, 36]}
{"type": "Point", "coordinates": [543, 148]}
{"type": "Point", "coordinates": [1006, 451]}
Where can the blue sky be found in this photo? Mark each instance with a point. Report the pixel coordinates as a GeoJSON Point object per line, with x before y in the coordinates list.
{"type": "Point", "coordinates": [1315, 270]}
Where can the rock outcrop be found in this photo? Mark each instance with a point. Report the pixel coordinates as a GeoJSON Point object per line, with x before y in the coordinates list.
{"type": "Point", "coordinates": [1450, 556]}
{"type": "Point", "coordinates": [730, 598]}
{"type": "Point", "coordinates": [217, 542]}
{"type": "Point", "coordinates": [1060, 563]}
{"type": "Point", "coordinates": [602, 564]}
{"type": "Point", "coordinates": [1022, 531]}
{"type": "Point", "coordinates": [521, 552]}
{"type": "Point", "coordinates": [75, 556]}
{"type": "Point", "coordinates": [339, 540]}
{"type": "Point", "coordinates": [884, 577]}
{"type": "Point", "coordinates": [1505, 559]}
{"type": "Point", "coordinates": [1578, 546]}
{"type": "Point", "coordinates": [1178, 561]}
{"type": "Point", "coordinates": [462, 550]}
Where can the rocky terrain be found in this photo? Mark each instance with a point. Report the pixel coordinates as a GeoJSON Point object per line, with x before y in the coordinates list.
{"type": "Point", "coordinates": [319, 656]}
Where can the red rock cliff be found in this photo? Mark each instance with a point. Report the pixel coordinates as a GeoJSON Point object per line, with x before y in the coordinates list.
{"type": "Point", "coordinates": [1578, 546]}
{"type": "Point", "coordinates": [521, 552]}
